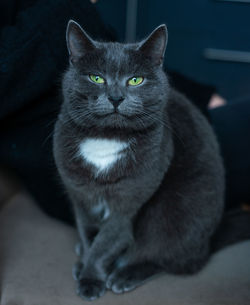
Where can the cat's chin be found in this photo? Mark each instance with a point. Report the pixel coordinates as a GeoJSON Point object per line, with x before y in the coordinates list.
{"type": "Point", "coordinates": [116, 120]}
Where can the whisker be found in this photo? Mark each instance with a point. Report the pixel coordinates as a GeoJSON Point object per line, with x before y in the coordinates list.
{"type": "Point", "coordinates": [164, 123]}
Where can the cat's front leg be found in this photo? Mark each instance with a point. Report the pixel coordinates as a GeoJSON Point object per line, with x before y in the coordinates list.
{"type": "Point", "coordinates": [114, 237]}
{"type": "Point", "coordinates": [87, 232]}
{"type": "Point", "coordinates": [87, 235]}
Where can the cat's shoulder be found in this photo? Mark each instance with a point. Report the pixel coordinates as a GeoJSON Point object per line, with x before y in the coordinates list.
{"type": "Point", "coordinates": [178, 100]}
{"type": "Point", "coordinates": [180, 107]}
{"type": "Point", "coordinates": [186, 118]}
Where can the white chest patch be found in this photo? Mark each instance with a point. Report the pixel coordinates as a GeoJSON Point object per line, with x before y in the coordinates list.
{"type": "Point", "coordinates": [102, 153]}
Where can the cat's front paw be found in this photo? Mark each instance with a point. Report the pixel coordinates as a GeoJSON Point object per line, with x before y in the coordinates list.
{"type": "Point", "coordinates": [121, 281]}
{"type": "Point", "coordinates": [90, 289]}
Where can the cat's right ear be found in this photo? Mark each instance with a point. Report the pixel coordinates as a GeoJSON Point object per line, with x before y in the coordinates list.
{"type": "Point", "coordinates": [155, 45]}
{"type": "Point", "coordinates": [78, 41]}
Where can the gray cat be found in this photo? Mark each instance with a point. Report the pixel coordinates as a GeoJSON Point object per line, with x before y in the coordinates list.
{"type": "Point", "coordinates": [140, 164]}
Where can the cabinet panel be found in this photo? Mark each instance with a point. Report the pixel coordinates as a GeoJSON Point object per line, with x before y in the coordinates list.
{"type": "Point", "coordinates": [179, 13]}
{"type": "Point", "coordinates": [196, 28]}
{"type": "Point", "coordinates": [230, 17]}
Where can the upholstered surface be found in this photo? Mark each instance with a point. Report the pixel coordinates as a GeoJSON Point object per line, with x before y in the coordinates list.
{"type": "Point", "coordinates": [36, 257]}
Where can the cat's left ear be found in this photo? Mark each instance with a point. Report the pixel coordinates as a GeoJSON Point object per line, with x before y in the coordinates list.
{"type": "Point", "coordinates": [78, 41]}
{"type": "Point", "coordinates": [154, 45]}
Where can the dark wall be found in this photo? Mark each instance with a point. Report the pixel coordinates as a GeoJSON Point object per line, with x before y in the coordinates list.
{"type": "Point", "coordinates": [113, 13]}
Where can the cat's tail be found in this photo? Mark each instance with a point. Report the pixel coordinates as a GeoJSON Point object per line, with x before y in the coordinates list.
{"type": "Point", "coordinates": [234, 227]}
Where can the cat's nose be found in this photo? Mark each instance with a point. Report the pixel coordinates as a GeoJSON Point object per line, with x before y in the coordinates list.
{"type": "Point", "coordinates": [116, 100]}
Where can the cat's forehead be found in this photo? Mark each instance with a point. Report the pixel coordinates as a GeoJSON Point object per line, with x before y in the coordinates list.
{"type": "Point", "coordinates": [117, 51]}
{"type": "Point", "coordinates": [119, 57]}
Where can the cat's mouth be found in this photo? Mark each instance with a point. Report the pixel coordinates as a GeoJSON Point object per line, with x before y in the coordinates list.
{"type": "Point", "coordinates": [113, 114]}
{"type": "Point", "coordinates": [119, 114]}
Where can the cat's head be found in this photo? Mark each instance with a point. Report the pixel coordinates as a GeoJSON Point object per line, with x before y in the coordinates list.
{"type": "Point", "coordinates": [113, 84]}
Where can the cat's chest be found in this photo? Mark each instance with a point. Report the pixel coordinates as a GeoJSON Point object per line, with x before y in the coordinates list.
{"type": "Point", "coordinates": [102, 153]}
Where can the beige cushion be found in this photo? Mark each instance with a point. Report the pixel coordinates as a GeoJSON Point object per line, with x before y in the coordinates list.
{"type": "Point", "coordinates": [36, 255]}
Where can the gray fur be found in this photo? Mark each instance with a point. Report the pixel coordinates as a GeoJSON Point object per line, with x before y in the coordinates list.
{"type": "Point", "coordinates": [164, 198]}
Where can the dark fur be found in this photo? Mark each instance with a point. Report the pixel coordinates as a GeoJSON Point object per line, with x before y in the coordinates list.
{"type": "Point", "coordinates": [165, 196]}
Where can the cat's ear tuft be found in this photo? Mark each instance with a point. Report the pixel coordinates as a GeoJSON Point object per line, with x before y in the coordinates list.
{"type": "Point", "coordinates": [78, 41]}
{"type": "Point", "coordinates": [154, 45]}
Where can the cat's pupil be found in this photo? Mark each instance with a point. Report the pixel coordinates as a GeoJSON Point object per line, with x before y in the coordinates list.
{"type": "Point", "coordinates": [96, 78]}
{"type": "Point", "coordinates": [134, 79]}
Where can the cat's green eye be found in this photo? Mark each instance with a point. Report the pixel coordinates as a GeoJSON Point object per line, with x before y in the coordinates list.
{"type": "Point", "coordinates": [135, 81]}
{"type": "Point", "coordinates": [96, 79]}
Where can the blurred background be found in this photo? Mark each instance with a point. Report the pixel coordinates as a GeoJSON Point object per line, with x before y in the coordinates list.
{"type": "Point", "coordinates": [209, 40]}
{"type": "Point", "coordinates": [207, 59]}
